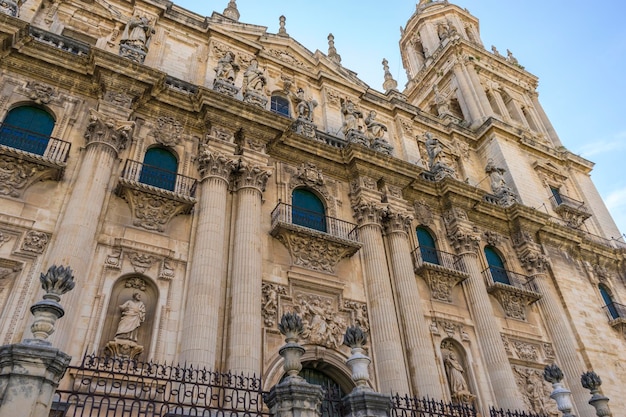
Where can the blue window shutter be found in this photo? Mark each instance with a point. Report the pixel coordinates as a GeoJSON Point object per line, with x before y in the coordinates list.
{"type": "Point", "coordinates": [308, 210]}
{"type": "Point", "coordinates": [427, 246]}
{"type": "Point", "coordinates": [159, 169]}
{"type": "Point", "coordinates": [27, 128]}
{"type": "Point", "coordinates": [496, 266]}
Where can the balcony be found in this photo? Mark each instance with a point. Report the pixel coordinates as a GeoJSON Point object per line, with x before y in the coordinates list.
{"type": "Point", "coordinates": [514, 291]}
{"type": "Point", "coordinates": [616, 313]}
{"type": "Point", "coordinates": [314, 241]}
{"type": "Point", "coordinates": [441, 270]}
{"type": "Point", "coordinates": [27, 157]}
{"type": "Point", "coordinates": [572, 211]}
{"type": "Point", "coordinates": [155, 195]}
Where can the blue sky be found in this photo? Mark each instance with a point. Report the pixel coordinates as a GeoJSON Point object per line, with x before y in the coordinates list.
{"type": "Point", "coordinates": [576, 48]}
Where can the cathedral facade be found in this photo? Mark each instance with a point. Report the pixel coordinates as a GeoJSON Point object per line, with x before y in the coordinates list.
{"type": "Point", "coordinates": [202, 177]}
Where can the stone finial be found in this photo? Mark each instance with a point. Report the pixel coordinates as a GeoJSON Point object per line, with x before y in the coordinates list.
{"type": "Point", "coordinates": [354, 337]}
{"type": "Point", "coordinates": [390, 84]}
{"type": "Point", "coordinates": [553, 374]}
{"type": "Point", "coordinates": [231, 11]}
{"type": "Point", "coordinates": [591, 381]}
{"type": "Point", "coordinates": [332, 51]}
{"type": "Point", "coordinates": [291, 327]}
{"type": "Point", "coordinates": [282, 31]}
{"type": "Point", "coordinates": [56, 282]}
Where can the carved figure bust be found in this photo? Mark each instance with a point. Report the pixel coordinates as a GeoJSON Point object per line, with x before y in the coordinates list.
{"type": "Point", "coordinates": [137, 33]}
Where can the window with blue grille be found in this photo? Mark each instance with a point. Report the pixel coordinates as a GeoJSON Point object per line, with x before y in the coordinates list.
{"type": "Point", "coordinates": [308, 210]}
{"type": "Point", "coordinates": [159, 169]}
{"type": "Point", "coordinates": [27, 128]}
{"type": "Point", "coordinates": [427, 246]}
{"type": "Point", "coordinates": [608, 301]}
{"type": "Point", "coordinates": [496, 266]}
{"type": "Point", "coordinates": [280, 105]}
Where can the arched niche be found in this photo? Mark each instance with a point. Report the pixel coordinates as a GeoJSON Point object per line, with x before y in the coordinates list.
{"type": "Point", "coordinates": [457, 370]}
{"type": "Point", "coordinates": [122, 291]}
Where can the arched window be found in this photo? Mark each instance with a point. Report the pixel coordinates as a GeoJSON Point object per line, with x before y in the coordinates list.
{"type": "Point", "coordinates": [496, 266]}
{"type": "Point", "coordinates": [159, 169]}
{"type": "Point", "coordinates": [27, 128]}
{"type": "Point", "coordinates": [308, 210]}
{"type": "Point", "coordinates": [608, 302]}
{"type": "Point", "coordinates": [427, 246]}
{"type": "Point", "coordinates": [280, 105]}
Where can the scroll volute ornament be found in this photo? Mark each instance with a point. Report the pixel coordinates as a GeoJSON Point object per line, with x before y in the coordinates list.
{"type": "Point", "coordinates": [108, 131]}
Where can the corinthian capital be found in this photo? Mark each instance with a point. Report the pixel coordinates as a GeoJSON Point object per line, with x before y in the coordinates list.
{"type": "Point", "coordinates": [108, 131]}
{"type": "Point", "coordinates": [368, 213]}
{"type": "Point", "coordinates": [464, 240]}
{"type": "Point", "coordinates": [397, 221]}
{"type": "Point", "coordinates": [215, 164]}
{"type": "Point", "coordinates": [251, 176]}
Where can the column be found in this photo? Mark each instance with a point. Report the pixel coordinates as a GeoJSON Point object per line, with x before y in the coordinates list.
{"type": "Point", "coordinates": [419, 349]}
{"type": "Point", "coordinates": [75, 240]}
{"type": "Point", "coordinates": [467, 94]}
{"type": "Point", "coordinates": [385, 333]}
{"type": "Point", "coordinates": [245, 321]}
{"type": "Point", "coordinates": [466, 243]}
{"type": "Point", "coordinates": [205, 293]}
{"type": "Point", "coordinates": [560, 332]}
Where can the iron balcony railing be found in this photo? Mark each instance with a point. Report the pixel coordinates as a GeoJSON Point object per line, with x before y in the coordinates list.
{"type": "Point", "coordinates": [136, 172]}
{"type": "Point", "coordinates": [52, 149]}
{"type": "Point", "coordinates": [286, 213]}
{"type": "Point", "coordinates": [405, 406]}
{"type": "Point", "coordinates": [562, 200]}
{"type": "Point", "coordinates": [495, 274]}
{"type": "Point", "coordinates": [493, 412]}
{"type": "Point", "coordinates": [615, 311]}
{"type": "Point", "coordinates": [425, 255]}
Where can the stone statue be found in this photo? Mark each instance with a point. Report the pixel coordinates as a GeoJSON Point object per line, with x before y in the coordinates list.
{"type": "Point", "coordinates": [511, 58]}
{"type": "Point", "coordinates": [437, 154]}
{"type": "Point", "coordinates": [441, 102]}
{"type": "Point", "coordinates": [133, 315]}
{"type": "Point", "coordinates": [499, 187]}
{"type": "Point", "coordinates": [375, 130]}
{"type": "Point", "coordinates": [304, 108]}
{"type": "Point", "coordinates": [227, 69]}
{"type": "Point", "coordinates": [9, 7]}
{"type": "Point", "coordinates": [254, 78]}
{"type": "Point", "coordinates": [137, 33]}
{"type": "Point", "coordinates": [456, 378]}
{"type": "Point", "coordinates": [352, 116]}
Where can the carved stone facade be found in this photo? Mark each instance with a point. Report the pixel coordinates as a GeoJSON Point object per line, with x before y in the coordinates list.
{"type": "Point", "coordinates": [244, 122]}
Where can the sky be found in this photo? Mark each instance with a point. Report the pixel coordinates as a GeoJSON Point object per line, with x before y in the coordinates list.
{"type": "Point", "coordinates": [576, 48]}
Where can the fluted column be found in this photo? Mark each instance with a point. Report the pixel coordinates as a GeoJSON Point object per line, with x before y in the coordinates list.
{"type": "Point", "coordinates": [560, 332]}
{"type": "Point", "coordinates": [466, 243]}
{"type": "Point", "coordinates": [384, 329]}
{"type": "Point", "coordinates": [467, 93]}
{"type": "Point", "coordinates": [245, 321]}
{"type": "Point", "coordinates": [75, 240]}
{"type": "Point", "coordinates": [419, 349]}
{"type": "Point", "coordinates": [207, 271]}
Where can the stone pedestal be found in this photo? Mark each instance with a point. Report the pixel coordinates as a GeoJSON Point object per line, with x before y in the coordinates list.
{"type": "Point", "coordinates": [295, 398]}
{"type": "Point", "coordinates": [123, 349]}
{"type": "Point", "coordinates": [363, 402]}
{"type": "Point", "coordinates": [29, 376]}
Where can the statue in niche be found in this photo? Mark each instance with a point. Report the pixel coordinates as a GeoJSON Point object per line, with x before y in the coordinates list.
{"type": "Point", "coordinates": [137, 33]}
{"type": "Point", "coordinates": [443, 107]}
{"type": "Point", "coordinates": [254, 78]}
{"type": "Point", "coordinates": [375, 130]}
{"type": "Point", "coordinates": [352, 116]}
{"type": "Point", "coordinates": [456, 379]}
{"type": "Point", "coordinates": [227, 69]}
{"type": "Point", "coordinates": [133, 315]}
{"type": "Point", "coordinates": [438, 156]}
{"type": "Point", "coordinates": [498, 184]}
{"type": "Point", "coordinates": [304, 108]}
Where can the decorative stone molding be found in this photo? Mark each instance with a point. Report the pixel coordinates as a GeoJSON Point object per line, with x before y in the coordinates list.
{"type": "Point", "coordinates": [464, 241]}
{"type": "Point", "coordinates": [7, 268]}
{"type": "Point", "coordinates": [114, 260]}
{"type": "Point", "coordinates": [166, 272]}
{"type": "Point", "coordinates": [288, 58]}
{"type": "Point", "coordinates": [140, 262]}
{"type": "Point", "coordinates": [251, 176]}
{"type": "Point", "coordinates": [308, 175]}
{"type": "Point", "coordinates": [512, 299]}
{"type": "Point", "coordinates": [4, 238]}
{"type": "Point", "coordinates": [359, 314]}
{"type": "Point", "coordinates": [40, 93]}
{"type": "Point", "coordinates": [397, 222]}
{"type": "Point", "coordinates": [269, 309]}
{"type": "Point", "coordinates": [35, 242]}
{"type": "Point", "coordinates": [167, 131]}
{"type": "Point", "coordinates": [312, 249]}
{"type": "Point", "coordinates": [440, 280]}
{"type": "Point", "coordinates": [423, 213]}
{"type": "Point", "coordinates": [451, 328]}
{"type": "Point", "coordinates": [323, 325]}
{"type": "Point", "coordinates": [367, 213]}
{"type": "Point", "coordinates": [18, 173]}
{"type": "Point", "coordinates": [151, 211]}
{"type": "Point", "coordinates": [10, 7]}
{"type": "Point", "coordinates": [136, 282]}
{"type": "Point", "coordinates": [529, 253]}
{"type": "Point", "coordinates": [215, 165]}
{"type": "Point", "coordinates": [492, 238]}
{"type": "Point", "coordinates": [535, 391]}
{"type": "Point", "coordinates": [118, 98]}
{"type": "Point", "coordinates": [108, 131]}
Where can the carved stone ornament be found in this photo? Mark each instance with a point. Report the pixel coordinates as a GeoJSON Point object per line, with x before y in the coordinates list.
{"type": "Point", "coordinates": [312, 249]}
{"type": "Point", "coordinates": [215, 164]}
{"type": "Point", "coordinates": [492, 238]}
{"type": "Point", "coordinates": [397, 222]}
{"type": "Point", "coordinates": [359, 314]}
{"type": "Point", "coordinates": [140, 262]}
{"type": "Point", "coordinates": [526, 351]}
{"type": "Point", "coordinates": [535, 391]}
{"type": "Point", "coordinates": [136, 282]}
{"type": "Point", "coordinates": [423, 213]}
{"type": "Point", "coordinates": [4, 238]}
{"type": "Point", "coordinates": [323, 325]}
{"type": "Point", "coordinates": [440, 279]}
{"type": "Point", "coordinates": [114, 260]}
{"type": "Point", "coordinates": [167, 131]}
{"type": "Point", "coordinates": [106, 130]}
{"type": "Point", "coordinates": [17, 174]}
{"type": "Point", "coordinates": [513, 300]}
{"type": "Point", "coordinates": [10, 7]}
{"type": "Point", "coordinates": [251, 176]}
{"type": "Point", "coordinates": [40, 93]}
{"type": "Point", "coordinates": [464, 240]}
{"type": "Point", "coordinates": [167, 270]}
{"type": "Point", "coordinates": [367, 213]}
{"type": "Point", "coordinates": [151, 211]}
{"type": "Point", "coordinates": [35, 242]}
{"type": "Point", "coordinates": [269, 309]}
{"type": "Point", "coordinates": [119, 98]}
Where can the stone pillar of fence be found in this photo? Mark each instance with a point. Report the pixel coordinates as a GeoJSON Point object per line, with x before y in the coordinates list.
{"type": "Point", "coordinates": [30, 371]}
{"type": "Point", "coordinates": [363, 401]}
{"type": "Point", "coordinates": [293, 396]}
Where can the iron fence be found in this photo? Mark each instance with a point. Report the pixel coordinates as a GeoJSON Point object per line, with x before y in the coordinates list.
{"type": "Point", "coordinates": [494, 274]}
{"type": "Point", "coordinates": [405, 406]}
{"type": "Point", "coordinates": [53, 149]}
{"type": "Point", "coordinates": [137, 172]}
{"type": "Point", "coordinates": [105, 387]}
{"type": "Point", "coordinates": [424, 254]}
{"type": "Point", "coordinates": [493, 412]}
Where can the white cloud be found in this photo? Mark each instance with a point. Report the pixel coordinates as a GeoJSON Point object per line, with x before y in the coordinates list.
{"type": "Point", "coordinates": [616, 199]}
{"type": "Point", "coordinates": [597, 147]}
